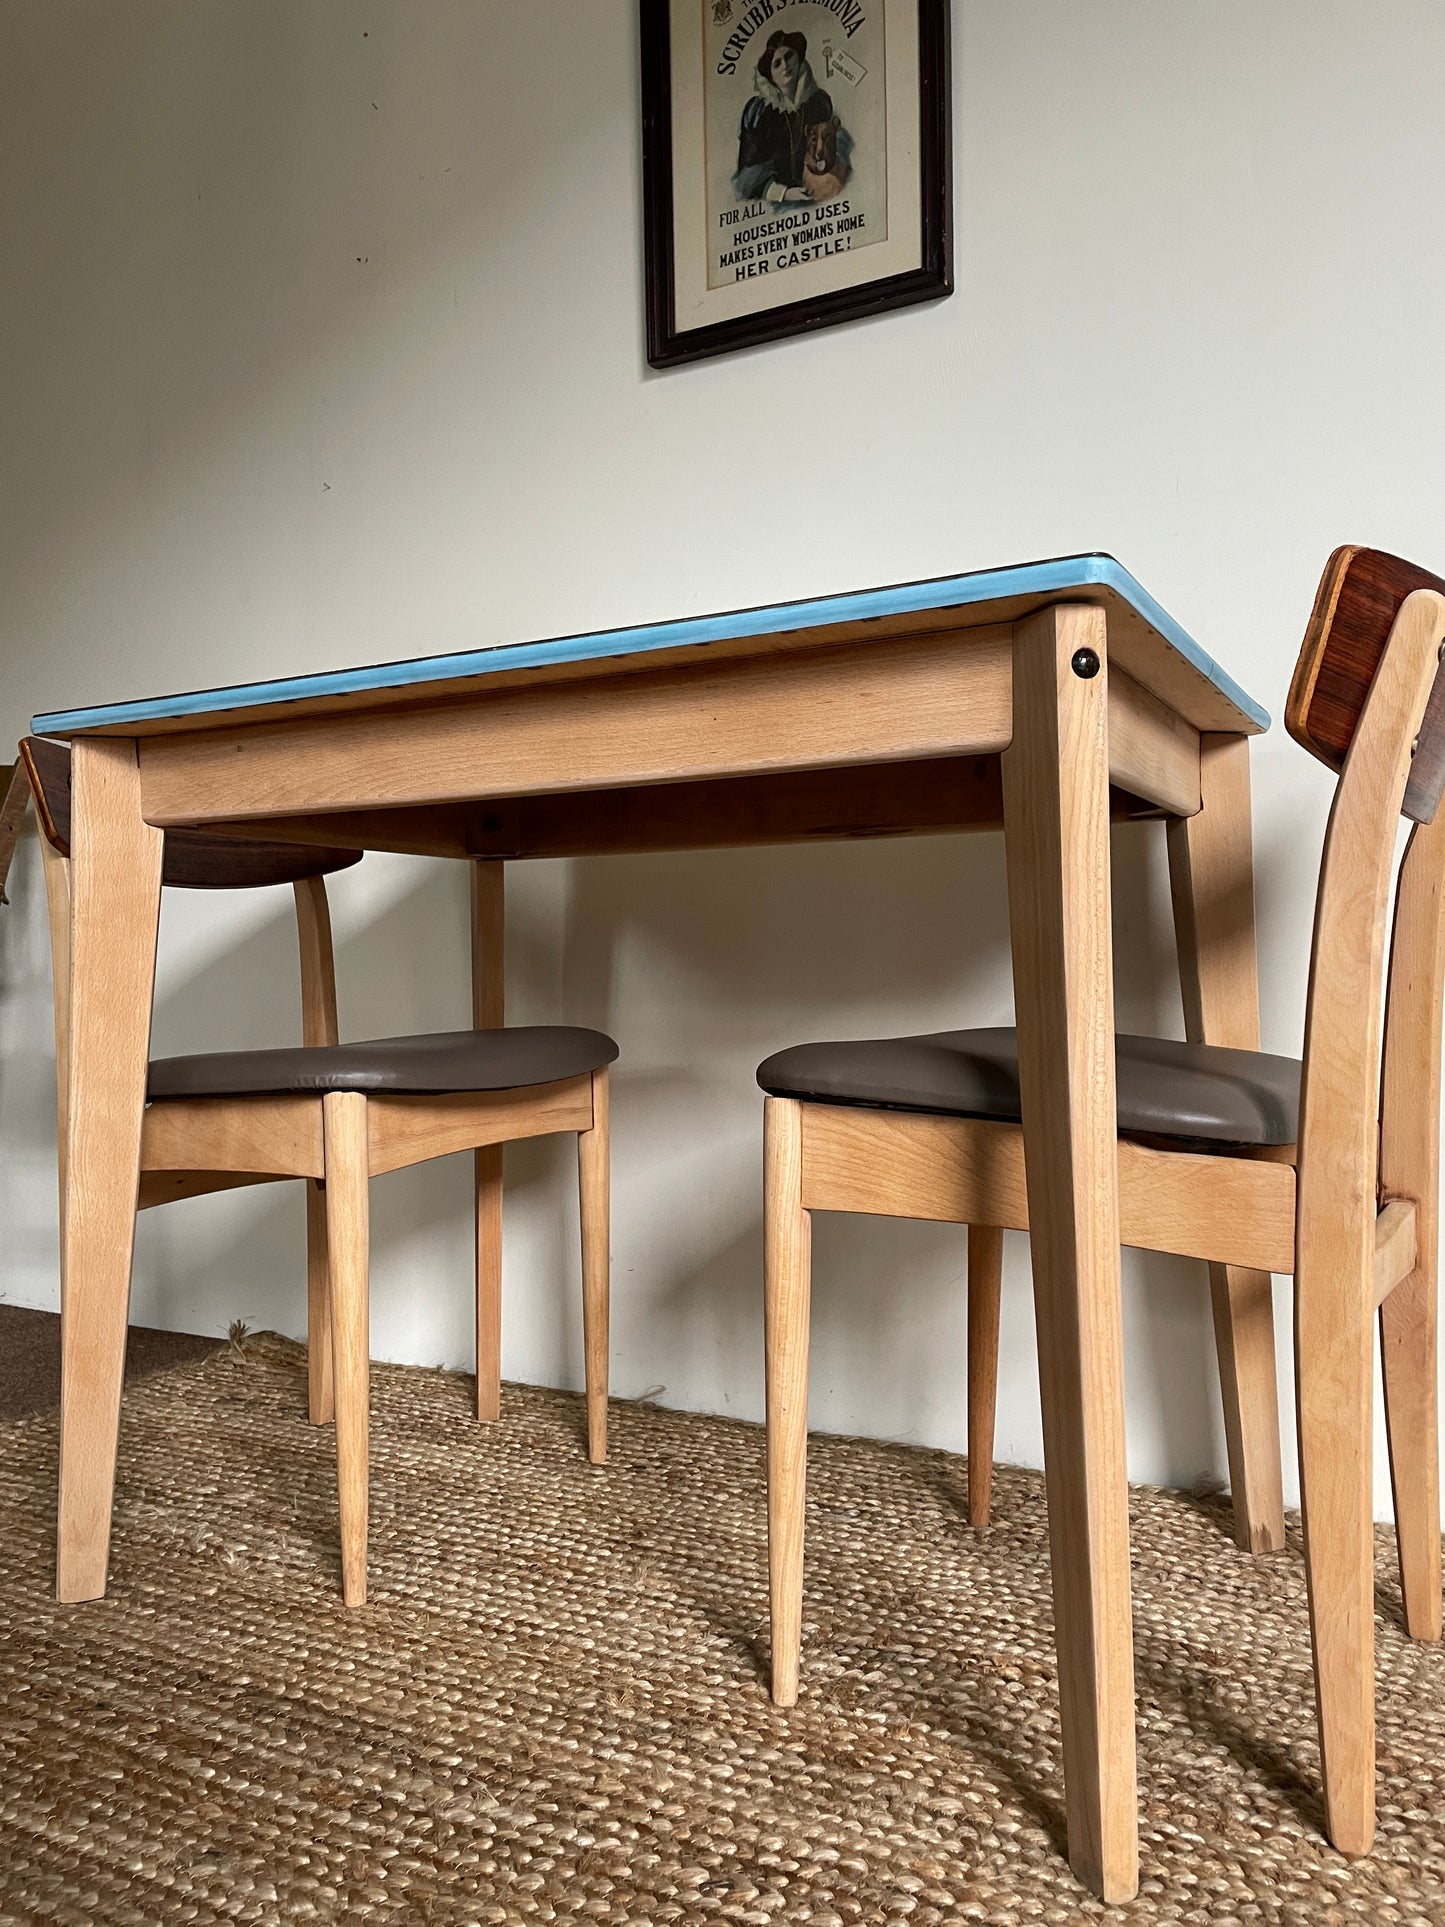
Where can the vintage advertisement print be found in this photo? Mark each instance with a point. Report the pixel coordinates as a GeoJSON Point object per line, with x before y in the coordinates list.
{"type": "Point", "coordinates": [795, 166]}
{"type": "Point", "coordinates": [797, 146]}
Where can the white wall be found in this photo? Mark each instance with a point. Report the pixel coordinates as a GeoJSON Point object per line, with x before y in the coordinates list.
{"type": "Point", "coordinates": [322, 342]}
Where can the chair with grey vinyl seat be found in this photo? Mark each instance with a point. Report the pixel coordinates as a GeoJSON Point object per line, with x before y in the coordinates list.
{"type": "Point", "coordinates": [337, 1114]}
{"type": "Point", "coordinates": [1327, 1169]}
{"type": "Point", "coordinates": [1167, 1091]}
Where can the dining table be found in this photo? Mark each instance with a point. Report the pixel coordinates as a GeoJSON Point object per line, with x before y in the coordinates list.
{"type": "Point", "coordinates": [878, 712]}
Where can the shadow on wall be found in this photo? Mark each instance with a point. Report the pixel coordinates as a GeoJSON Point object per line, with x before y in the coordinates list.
{"type": "Point", "coordinates": [711, 961]}
{"type": "Point", "coordinates": [401, 967]}
{"type": "Point", "coordinates": [699, 965]}
{"type": "Point", "coordinates": [229, 980]}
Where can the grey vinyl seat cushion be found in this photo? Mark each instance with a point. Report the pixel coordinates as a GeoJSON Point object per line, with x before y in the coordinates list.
{"type": "Point", "coordinates": [1165, 1088]}
{"type": "Point", "coordinates": [433, 1065]}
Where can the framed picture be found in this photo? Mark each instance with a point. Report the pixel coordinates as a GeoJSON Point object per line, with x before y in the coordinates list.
{"type": "Point", "coordinates": [795, 166]}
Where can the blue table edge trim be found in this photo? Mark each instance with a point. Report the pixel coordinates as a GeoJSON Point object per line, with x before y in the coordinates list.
{"type": "Point", "coordinates": [941, 592]}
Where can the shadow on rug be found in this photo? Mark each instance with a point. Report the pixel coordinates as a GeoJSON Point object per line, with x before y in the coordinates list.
{"type": "Point", "coordinates": [554, 1706]}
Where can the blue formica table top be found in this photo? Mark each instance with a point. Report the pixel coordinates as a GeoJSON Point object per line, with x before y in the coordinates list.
{"type": "Point", "coordinates": [982, 596]}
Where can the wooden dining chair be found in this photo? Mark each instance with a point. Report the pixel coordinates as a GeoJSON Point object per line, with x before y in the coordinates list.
{"type": "Point", "coordinates": [1327, 1169]}
{"type": "Point", "coordinates": [337, 1114]}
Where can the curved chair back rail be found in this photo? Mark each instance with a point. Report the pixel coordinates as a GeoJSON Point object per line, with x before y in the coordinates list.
{"type": "Point", "coordinates": [193, 859]}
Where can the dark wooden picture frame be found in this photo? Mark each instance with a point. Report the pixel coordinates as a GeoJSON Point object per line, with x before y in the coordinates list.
{"type": "Point", "coordinates": [932, 279]}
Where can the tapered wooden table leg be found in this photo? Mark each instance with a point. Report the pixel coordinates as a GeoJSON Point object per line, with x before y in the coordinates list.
{"type": "Point", "coordinates": [1056, 824]}
{"type": "Point", "coordinates": [115, 909]}
{"type": "Point", "coordinates": [1211, 871]}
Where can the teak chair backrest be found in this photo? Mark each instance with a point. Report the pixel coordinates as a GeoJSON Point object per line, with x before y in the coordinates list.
{"type": "Point", "coordinates": [1359, 597]}
{"type": "Point", "coordinates": [1368, 699]}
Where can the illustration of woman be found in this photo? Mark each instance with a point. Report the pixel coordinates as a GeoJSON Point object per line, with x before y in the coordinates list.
{"type": "Point", "coordinates": [786, 105]}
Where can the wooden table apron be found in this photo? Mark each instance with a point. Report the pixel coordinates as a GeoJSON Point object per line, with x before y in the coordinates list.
{"type": "Point", "coordinates": [763, 746]}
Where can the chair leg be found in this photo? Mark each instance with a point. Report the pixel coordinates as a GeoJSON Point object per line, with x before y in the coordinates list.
{"type": "Point", "coordinates": [787, 1260]}
{"type": "Point", "coordinates": [985, 1280]}
{"type": "Point", "coordinates": [594, 1187]}
{"type": "Point", "coordinates": [1334, 1361]}
{"type": "Point", "coordinates": [1411, 1370]}
{"type": "Point", "coordinates": [1243, 1305]}
{"type": "Point", "coordinates": [347, 1236]}
{"type": "Point", "coordinates": [488, 1186]}
{"type": "Point", "coordinates": [319, 1385]}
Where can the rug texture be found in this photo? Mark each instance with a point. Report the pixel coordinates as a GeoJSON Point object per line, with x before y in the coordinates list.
{"type": "Point", "coordinates": [30, 1357]}
{"type": "Point", "coordinates": [554, 1706]}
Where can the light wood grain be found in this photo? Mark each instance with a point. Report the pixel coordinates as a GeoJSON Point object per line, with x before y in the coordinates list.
{"type": "Point", "coordinates": [930, 697]}
{"type": "Point", "coordinates": [1211, 871]}
{"type": "Point", "coordinates": [942, 795]}
{"type": "Point", "coordinates": [985, 1281]}
{"type": "Point", "coordinates": [489, 1012]}
{"type": "Point", "coordinates": [272, 1136]}
{"type": "Point", "coordinates": [1153, 752]}
{"type": "Point", "coordinates": [903, 1164]}
{"type": "Point", "coordinates": [347, 1228]}
{"type": "Point", "coordinates": [787, 1262]}
{"type": "Point", "coordinates": [115, 907]}
{"type": "Point", "coordinates": [409, 1130]}
{"type": "Point", "coordinates": [318, 963]}
{"type": "Point", "coordinates": [1211, 875]}
{"type": "Point", "coordinates": [936, 696]}
{"type": "Point", "coordinates": [1410, 1168]}
{"type": "Point", "coordinates": [1338, 1175]}
{"type": "Point", "coordinates": [965, 1170]}
{"type": "Point", "coordinates": [1396, 1249]}
{"type": "Point", "coordinates": [320, 1387]}
{"type": "Point", "coordinates": [594, 1185]}
{"type": "Point", "coordinates": [1056, 831]}
{"type": "Point", "coordinates": [166, 1187]}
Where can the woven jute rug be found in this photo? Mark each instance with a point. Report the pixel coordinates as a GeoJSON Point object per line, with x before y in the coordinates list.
{"type": "Point", "coordinates": [554, 1706]}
